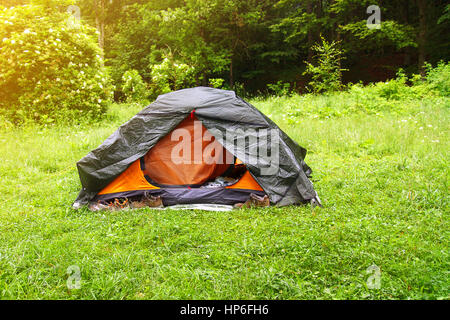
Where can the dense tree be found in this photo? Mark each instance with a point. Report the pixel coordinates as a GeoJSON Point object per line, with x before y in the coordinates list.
{"type": "Point", "coordinates": [257, 42]}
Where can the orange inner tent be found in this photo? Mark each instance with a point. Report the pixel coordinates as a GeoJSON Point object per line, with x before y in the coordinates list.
{"type": "Point", "coordinates": [163, 168]}
{"type": "Point", "coordinates": [130, 180]}
{"type": "Point", "coordinates": [179, 158]}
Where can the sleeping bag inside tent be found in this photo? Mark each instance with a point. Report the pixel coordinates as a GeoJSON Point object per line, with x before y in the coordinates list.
{"type": "Point", "coordinates": [196, 146]}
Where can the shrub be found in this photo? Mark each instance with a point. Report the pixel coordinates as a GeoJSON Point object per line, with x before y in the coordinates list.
{"type": "Point", "coordinates": [48, 71]}
{"type": "Point", "coordinates": [171, 75]}
{"type": "Point", "coordinates": [437, 83]}
{"type": "Point", "coordinates": [439, 77]}
{"type": "Point", "coordinates": [327, 73]}
{"type": "Point", "coordinates": [134, 88]}
{"type": "Point", "coordinates": [280, 88]}
{"type": "Point", "coordinates": [394, 89]}
{"type": "Point", "coordinates": [216, 82]}
{"type": "Point", "coordinates": [239, 88]}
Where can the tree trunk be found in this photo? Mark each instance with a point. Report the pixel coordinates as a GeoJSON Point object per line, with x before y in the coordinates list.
{"type": "Point", "coordinates": [421, 37]}
{"type": "Point", "coordinates": [338, 39]}
{"type": "Point", "coordinates": [100, 22]}
{"type": "Point", "coordinates": [231, 75]}
{"type": "Point", "coordinates": [309, 10]}
{"type": "Point", "coordinates": [407, 50]}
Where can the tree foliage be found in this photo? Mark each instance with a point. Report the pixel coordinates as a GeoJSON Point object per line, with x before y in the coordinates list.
{"type": "Point", "coordinates": [252, 43]}
{"type": "Point", "coordinates": [134, 87]}
{"type": "Point", "coordinates": [49, 71]}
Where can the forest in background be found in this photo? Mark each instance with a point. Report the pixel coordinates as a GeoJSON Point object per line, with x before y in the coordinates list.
{"type": "Point", "coordinates": [257, 46]}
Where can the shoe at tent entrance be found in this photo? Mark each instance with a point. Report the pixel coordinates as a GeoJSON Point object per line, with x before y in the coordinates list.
{"type": "Point", "coordinates": [134, 167]}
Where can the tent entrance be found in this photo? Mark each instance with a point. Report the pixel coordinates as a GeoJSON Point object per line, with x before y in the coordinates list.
{"type": "Point", "coordinates": [171, 170]}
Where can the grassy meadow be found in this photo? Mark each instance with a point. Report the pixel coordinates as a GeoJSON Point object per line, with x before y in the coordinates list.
{"type": "Point", "coordinates": [380, 166]}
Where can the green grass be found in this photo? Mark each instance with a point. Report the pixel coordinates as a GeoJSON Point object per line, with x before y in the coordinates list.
{"type": "Point", "coordinates": [382, 176]}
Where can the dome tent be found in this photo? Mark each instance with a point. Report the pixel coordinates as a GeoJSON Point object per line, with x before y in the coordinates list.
{"type": "Point", "coordinates": [136, 159]}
